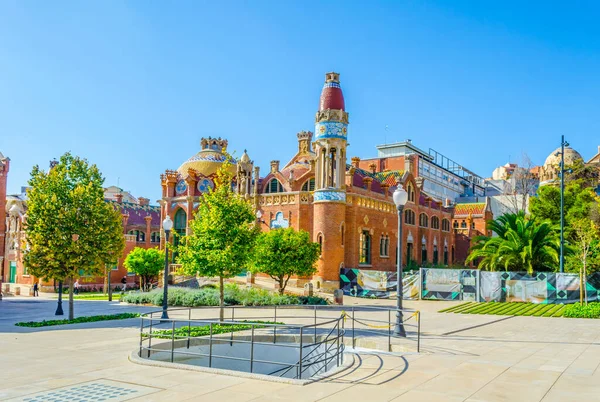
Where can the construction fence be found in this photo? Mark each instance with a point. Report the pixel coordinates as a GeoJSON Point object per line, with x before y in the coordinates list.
{"type": "Point", "coordinates": [470, 285]}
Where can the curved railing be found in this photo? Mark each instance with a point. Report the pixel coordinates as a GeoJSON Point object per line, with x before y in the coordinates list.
{"type": "Point", "coordinates": [317, 333]}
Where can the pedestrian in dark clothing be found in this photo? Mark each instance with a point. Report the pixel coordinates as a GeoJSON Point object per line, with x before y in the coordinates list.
{"type": "Point", "coordinates": [124, 282]}
{"type": "Point", "coordinates": [35, 290]}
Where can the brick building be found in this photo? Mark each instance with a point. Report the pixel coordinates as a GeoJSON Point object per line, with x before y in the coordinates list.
{"type": "Point", "coordinates": [141, 228]}
{"type": "Point", "coordinates": [346, 207]}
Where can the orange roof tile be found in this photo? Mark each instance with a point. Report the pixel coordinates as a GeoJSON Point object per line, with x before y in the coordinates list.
{"type": "Point", "coordinates": [474, 209]}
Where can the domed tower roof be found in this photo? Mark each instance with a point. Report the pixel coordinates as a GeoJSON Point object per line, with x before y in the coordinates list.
{"type": "Point", "coordinates": [331, 95]}
{"type": "Point", "coordinates": [571, 156]}
{"type": "Point", "coordinates": [209, 159]}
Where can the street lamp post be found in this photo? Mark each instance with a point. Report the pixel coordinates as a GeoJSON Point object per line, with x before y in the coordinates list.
{"type": "Point", "coordinates": [59, 309]}
{"type": "Point", "coordinates": [400, 197]}
{"type": "Point", "coordinates": [167, 226]}
{"type": "Point", "coordinates": [563, 144]}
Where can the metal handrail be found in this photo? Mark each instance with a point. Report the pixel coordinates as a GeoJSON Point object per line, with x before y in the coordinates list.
{"type": "Point", "coordinates": [333, 341]}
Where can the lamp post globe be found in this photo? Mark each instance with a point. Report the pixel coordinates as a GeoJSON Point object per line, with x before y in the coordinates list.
{"type": "Point", "coordinates": [167, 226]}
{"type": "Point", "coordinates": [400, 198]}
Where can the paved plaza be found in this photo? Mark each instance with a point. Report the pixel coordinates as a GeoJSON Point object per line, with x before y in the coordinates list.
{"type": "Point", "coordinates": [464, 358]}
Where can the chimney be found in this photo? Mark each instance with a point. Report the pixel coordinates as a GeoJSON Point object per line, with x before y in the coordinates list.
{"type": "Point", "coordinates": [144, 201]}
{"type": "Point", "coordinates": [367, 181]}
{"type": "Point", "coordinates": [119, 197]}
{"type": "Point", "coordinates": [386, 189]}
{"type": "Point", "coordinates": [274, 166]}
{"type": "Point", "coordinates": [355, 161]}
{"type": "Point", "coordinates": [373, 167]}
{"type": "Point", "coordinates": [304, 138]}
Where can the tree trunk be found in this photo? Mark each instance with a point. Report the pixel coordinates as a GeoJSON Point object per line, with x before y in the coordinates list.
{"type": "Point", "coordinates": [221, 299]}
{"type": "Point", "coordinates": [105, 280]}
{"type": "Point", "coordinates": [581, 286]}
{"type": "Point", "coordinates": [71, 312]}
{"type": "Point", "coordinates": [585, 281]}
{"type": "Point", "coordinates": [281, 285]}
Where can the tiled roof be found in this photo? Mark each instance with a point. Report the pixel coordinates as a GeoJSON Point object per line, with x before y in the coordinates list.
{"type": "Point", "coordinates": [466, 209]}
{"type": "Point", "coordinates": [390, 177]}
{"type": "Point", "coordinates": [137, 213]}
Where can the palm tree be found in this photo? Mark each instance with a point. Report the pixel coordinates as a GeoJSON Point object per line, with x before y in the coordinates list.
{"type": "Point", "coordinates": [522, 244]}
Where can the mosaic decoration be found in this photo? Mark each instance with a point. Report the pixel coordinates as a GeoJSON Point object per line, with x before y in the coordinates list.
{"type": "Point", "coordinates": [331, 129]}
{"type": "Point", "coordinates": [324, 195]}
{"type": "Point", "coordinates": [279, 222]}
{"type": "Point", "coordinates": [181, 187]}
{"type": "Point", "coordinates": [207, 156]}
{"type": "Point", "coordinates": [205, 185]}
{"type": "Point", "coordinates": [100, 390]}
{"type": "Point", "coordinates": [377, 284]}
{"type": "Point", "coordinates": [539, 287]}
{"type": "Point", "coordinates": [332, 85]}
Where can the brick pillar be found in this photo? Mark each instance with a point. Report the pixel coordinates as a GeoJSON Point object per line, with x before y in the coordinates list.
{"type": "Point", "coordinates": [148, 220]}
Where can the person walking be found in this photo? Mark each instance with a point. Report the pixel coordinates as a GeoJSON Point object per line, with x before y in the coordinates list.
{"type": "Point", "coordinates": [76, 286]}
{"type": "Point", "coordinates": [35, 290]}
{"type": "Point", "coordinates": [124, 282]}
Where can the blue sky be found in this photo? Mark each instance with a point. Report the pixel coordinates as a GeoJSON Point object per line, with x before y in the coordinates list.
{"type": "Point", "coordinates": [134, 85]}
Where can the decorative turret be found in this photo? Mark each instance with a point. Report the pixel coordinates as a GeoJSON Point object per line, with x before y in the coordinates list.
{"type": "Point", "coordinates": [244, 174]}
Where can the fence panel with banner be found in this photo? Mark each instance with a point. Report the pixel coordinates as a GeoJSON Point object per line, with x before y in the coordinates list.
{"type": "Point", "coordinates": [377, 284]}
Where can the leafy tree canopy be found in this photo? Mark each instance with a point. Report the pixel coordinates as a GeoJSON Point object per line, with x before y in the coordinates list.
{"type": "Point", "coordinates": [146, 263]}
{"type": "Point", "coordinates": [69, 226]}
{"type": "Point", "coordinates": [282, 253]}
{"type": "Point", "coordinates": [522, 244]}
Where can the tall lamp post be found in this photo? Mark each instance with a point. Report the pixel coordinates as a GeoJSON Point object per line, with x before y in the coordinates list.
{"type": "Point", "coordinates": [167, 226]}
{"type": "Point", "coordinates": [563, 144]}
{"type": "Point", "coordinates": [400, 197]}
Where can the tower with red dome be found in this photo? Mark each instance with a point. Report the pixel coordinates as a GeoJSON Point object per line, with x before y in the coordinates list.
{"type": "Point", "coordinates": [330, 142]}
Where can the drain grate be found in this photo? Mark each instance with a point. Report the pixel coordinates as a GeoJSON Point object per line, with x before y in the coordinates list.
{"type": "Point", "coordinates": [95, 391]}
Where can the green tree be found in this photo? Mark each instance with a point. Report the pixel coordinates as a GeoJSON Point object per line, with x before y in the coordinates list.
{"type": "Point", "coordinates": [521, 244]}
{"type": "Point", "coordinates": [586, 176]}
{"type": "Point", "coordinates": [282, 253]}
{"type": "Point", "coordinates": [146, 263]}
{"type": "Point", "coordinates": [70, 229]}
{"type": "Point", "coordinates": [223, 233]}
{"type": "Point", "coordinates": [585, 233]}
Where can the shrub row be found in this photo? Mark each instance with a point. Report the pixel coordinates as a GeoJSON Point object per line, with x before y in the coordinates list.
{"type": "Point", "coordinates": [234, 295]}
{"type": "Point", "coordinates": [195, 331]}
{"type": "Point", "coordinates": [78, 320]}
{"type": "Point", "coordinates": [578, 310]}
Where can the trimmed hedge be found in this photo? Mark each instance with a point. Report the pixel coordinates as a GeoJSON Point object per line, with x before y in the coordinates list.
{"type": "Point", "coordinates": [205, 330]}
{"type": "Point", "coordinates": [577, 310]}
{"type": "Point", "coordinates": [234, 296]}
{"type": "Point", "coordinates": [513, 309]}
{"type": "Point", "coordinates": [78, 320]}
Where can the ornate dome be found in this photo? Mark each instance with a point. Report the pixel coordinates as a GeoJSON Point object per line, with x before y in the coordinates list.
{"type": "Point", "coordinates": [571, 156]}
{"type": "Point", "coordinates": [209, 159]}
{"type": "Point", "coordinates": [331, 95]}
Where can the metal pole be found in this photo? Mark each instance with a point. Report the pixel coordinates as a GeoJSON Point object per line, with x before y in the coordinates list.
{"type": "Point", "coordinates": [173, 341]}
{"type": "Point", "coordinates": [141, 334]}
{"type": "Point", "coordinates": [353, 342]}
{"type": "Point", "coordinates": [189, 327]}
{"type": "Point", "coordinates": [210, 341]}
{"type": "Point", "coordinates": [300, 358]}
{"type": "Point", "coordinates": [252, 350]}
{"type": "Point", "coordinates": [165, 316]}
{"type": "Point", "coordinates": [109, 285]}
{"type": "Point", "coordinates": [390, 330]}
{"type": "Point", "coordinates": [59, 309]}
{"type": "Point", "coordinates": [150, 336]}
{"type": "Point", "coordinates": [562, 204]}
{"type": "Point", "coordinates": [418, 331]}
{"type": "Point", "coordinates": [399, 330]}
{"type": "Point", "coordinates": [315, 323]}
{"type": "Point", "coordinates": [275, 326]}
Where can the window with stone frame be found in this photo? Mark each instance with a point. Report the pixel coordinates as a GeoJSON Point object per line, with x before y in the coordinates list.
{"type": "Point", "coordinates": [423, 253]}
{"type": "Point", "coordinates": [435, 222]}
{"type": "Point", "coordinates": [463, 225]}
{"type": "Point", "coordinates": [410, 189]}
{"type": "Point", "coordinates": [309, 185]}
{"type": "Point", "coordinates": [274, 186]}
{"type": "Point", "coordinates": [445, 225]}
{"type": "Point", "coordinates": [365, 248]}
{"type": "Point", "coordinates": [384, 246]}
{"type": "Point", "coordinates": [445, 255]}
{"type": "Point", "coordinates": [423, 220]}
{"type": "Point", "coordinates": [455, 225]}
{"type": "Point", "coordinates": [435, 255]}
{"type": "Point", "coordinates": [409, 217]}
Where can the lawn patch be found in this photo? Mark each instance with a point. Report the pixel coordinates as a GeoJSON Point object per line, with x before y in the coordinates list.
{"type": "Point", "coordinates": [78, 320]}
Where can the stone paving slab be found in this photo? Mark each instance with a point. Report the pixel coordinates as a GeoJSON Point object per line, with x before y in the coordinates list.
{"type": "Point", "coordinates": [518, 359]}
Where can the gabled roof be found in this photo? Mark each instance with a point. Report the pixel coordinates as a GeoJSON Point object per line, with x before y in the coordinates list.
{"type": "Point", "coordinates": [137, 213]}
{"type": "Point", "coordinates": [475, 209]}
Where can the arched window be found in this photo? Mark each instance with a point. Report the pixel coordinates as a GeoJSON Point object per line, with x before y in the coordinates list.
{"type": "Point", "coordinates": [155, 237]}
{"type": "Point", "coordinates": [455, 225]}
{"type": "Point", "coordinates": [309, 185]}
{"type": "Point", "coordinates": [435, 255]}
{"type": "Point", "coordinates": [320, 241]}
{"type": "Point", "coordinates": [445, 225]}
{"type": "Point", "coordinates": [274, 186]}
{"type": "Point", "coordinates": [435, 222]}
{"type": "Point", "coordinates": [423, 220]}
{"type": "Point", "coordinates": [342, 232]}
{"type": "Point", "coordinates": [472, 225]}
{"type": "Point", "coordinates": [365, 248]}
{"type": "Point", "coordinates": [463, 225]}
{"type": "Point", "coordinates": [409, 217]}
{"type": "Point", "coordinates": [423, 253]}
{"type": "Point", "coordinates": [180, 222]}
{"type": "Point", "coordinates": [410, 189]}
